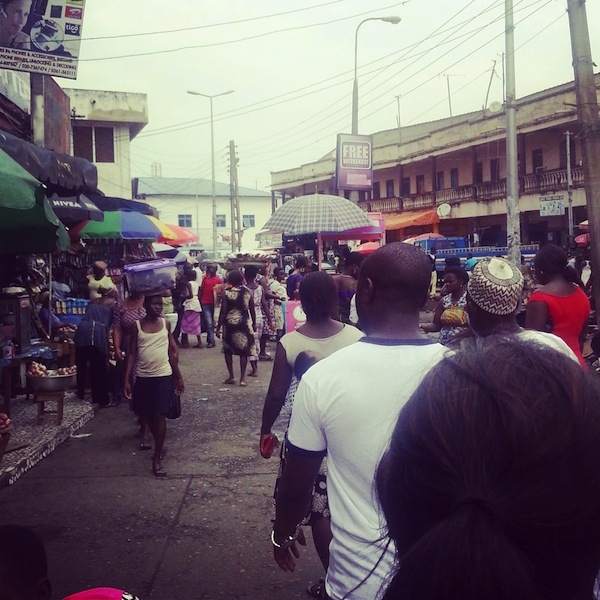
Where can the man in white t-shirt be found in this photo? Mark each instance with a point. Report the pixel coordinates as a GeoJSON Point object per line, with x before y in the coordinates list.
{"type": "Point", "coordinates": [346, 407]}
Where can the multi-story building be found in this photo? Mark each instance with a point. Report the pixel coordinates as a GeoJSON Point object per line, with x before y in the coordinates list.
{"type": "Point", "coordinates": [460, 163]}
{"type": "Point", "coordinates": [188, 203]}
{"type": "Point", "coordinates": [103, 125]}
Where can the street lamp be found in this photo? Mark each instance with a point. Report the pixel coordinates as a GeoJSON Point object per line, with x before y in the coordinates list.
{"type": "Point", "coordinates": [212, 156]}
{"type": "Point", "coordinates": [393, 21]}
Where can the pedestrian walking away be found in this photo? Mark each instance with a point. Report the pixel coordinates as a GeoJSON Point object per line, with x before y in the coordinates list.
{"type": "Point", "coordinates": [207, 302]}
{"type": "Point", "coordinates": [237, 320]}
{"type": "Point", "coordinates": [345, 408]}
{"type": "Point", "coordinates": [320, 336]}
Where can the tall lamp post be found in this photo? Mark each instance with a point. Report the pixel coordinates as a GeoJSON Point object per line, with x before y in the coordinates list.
{"type": "Point", "coordinates": [212, 158]}
{"type": "Point", "coordinates": [393, 21]}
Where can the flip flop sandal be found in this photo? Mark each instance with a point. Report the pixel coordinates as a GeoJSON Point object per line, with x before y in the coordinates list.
{"type": "Point", "coordinates": [159, 471]}
{"type": "Point", "coordinates": [316, 590]}
{"type": "Point", "coordinates": [230, 381]}
{"type": "Point", "coordinates": [243, 384]}
{"type": "Point", "coordinates": [145, 445]}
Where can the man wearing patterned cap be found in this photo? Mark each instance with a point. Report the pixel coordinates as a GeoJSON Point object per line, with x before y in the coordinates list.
{"type": "Point", "coordinates": [493, 295]}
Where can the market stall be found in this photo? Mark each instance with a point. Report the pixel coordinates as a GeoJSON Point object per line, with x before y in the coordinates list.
{"type": "Point", "coordinates": [319, 214]}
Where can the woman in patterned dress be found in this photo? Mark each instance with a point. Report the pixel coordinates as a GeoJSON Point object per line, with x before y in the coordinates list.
{"type": "Point", "coordinates": [450, 316]}
{"type": "Point", "coordinates": [237, 321]}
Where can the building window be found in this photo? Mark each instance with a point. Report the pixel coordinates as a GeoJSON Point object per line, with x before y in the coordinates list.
{"type": "Point", "coordinates": [454, 178]}
{"type": "Point", "coordinates": [420, 184]}
{"type": "Point", "coordinates": [83, 145]}
{"type": "Point", "coordinates": [95, 144]}
{"type": "Point", "coordinates": [537, 160]}
{"type": "Point", "coordinates": [405, 187]}
{"type": "Point", "coordinates": [562, 152]}
{"type": "Point", "coordinates": [478, 173]}
{"type": "Point", "coordinates": [389, 188]}
{"type": "Point", "coordinates": [439, 181]}
{"type": "Point", "coordinates": [248, 221]}
{"type": "Point", "coordinates": [221, 220]}
{"type": "Point", "coordinates": [184, 220]}
{"type": "Point", "coordinates": [495, 169]}
{"type": "Point", "coordinates": [376, 190]}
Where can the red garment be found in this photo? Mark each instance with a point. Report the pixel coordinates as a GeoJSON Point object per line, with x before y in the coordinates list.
{"type": "Point", "coordinates": [568, 315]}
{"type": "Point", "coordinates": [208, 285]}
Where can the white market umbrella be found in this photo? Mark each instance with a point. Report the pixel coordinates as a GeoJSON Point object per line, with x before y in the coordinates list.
{"type": "Point", "coordinates": [317, 213]}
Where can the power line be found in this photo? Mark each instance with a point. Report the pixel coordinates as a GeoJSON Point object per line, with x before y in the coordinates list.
{"type": "Point", "coordinates": [228, 42]}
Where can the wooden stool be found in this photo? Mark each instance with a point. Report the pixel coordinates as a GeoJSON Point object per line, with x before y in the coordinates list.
{"type": "Point", "coordinates": [42, 397]}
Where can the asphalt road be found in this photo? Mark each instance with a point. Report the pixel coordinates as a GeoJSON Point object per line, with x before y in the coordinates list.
{"type": "Point", "coordinates": [202, 532]}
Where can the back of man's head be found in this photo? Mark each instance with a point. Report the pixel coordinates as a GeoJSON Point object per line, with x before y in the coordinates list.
{"type": "Point", "coordinates": [400, 275]}
{"type": "Point", "coordinates": [23, 564]}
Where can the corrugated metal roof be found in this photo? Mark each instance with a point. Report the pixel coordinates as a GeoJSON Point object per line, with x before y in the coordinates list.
{"type": "Point", "coordinates": [173, 186]}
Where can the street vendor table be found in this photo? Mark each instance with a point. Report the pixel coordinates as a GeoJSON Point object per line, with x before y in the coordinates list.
{"type": "Point", "coordinates": [8, 365]}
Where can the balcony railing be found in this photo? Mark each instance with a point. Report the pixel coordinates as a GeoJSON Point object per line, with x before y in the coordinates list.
{"type": "Point", "coordinates": [539, 183]}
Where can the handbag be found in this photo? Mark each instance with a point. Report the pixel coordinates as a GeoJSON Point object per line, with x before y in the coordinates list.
{"type": "Point", "coordinates": [174, 411]}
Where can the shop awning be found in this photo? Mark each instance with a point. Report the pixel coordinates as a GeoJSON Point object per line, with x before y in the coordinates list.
{"type": "Point", "coordinates": [60, 173]}
{"type": "Point", "coordinates": [411, 219]}
{"type": "Point", "coordinates": [105, 203]}
{"type": "Point", "coordinates": [74, 209]}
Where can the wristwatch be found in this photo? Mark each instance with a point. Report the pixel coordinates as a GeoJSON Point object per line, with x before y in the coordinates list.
{"type": "Point", "coordinates": [289, 540]}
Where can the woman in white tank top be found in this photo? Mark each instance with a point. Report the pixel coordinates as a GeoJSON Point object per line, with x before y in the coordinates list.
{"type": "Point", "coordinates": [153, 354]}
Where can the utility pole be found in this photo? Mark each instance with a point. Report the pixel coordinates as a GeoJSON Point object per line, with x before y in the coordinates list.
{"type": "Point", "coordinates": [236, 242]}
{"type": "Point", "coordinates": [589, 123]}
{"type": "Point", "coordinates": [569, 187]}
{"type": "Point", "coordinates": [513, 218]}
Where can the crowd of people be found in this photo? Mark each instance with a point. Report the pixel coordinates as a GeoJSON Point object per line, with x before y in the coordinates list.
{"type": "Point", "coordinates": [454, 465]}
{"type": "Point", "coordinates": [431, 459]}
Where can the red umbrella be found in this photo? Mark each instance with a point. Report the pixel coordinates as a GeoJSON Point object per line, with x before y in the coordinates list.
{"type": "Point", "coordinates": [181, 237]}
{"type": "Point", "coordinates": [368, 248]}
{"type": "Point", "coordinates": [583, 240]}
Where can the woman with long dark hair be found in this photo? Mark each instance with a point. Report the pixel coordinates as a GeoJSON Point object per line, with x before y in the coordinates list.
{"type": "Point", "coordinates": [490, 485]}
{"type": "Point", "coordinates": [560, 305]}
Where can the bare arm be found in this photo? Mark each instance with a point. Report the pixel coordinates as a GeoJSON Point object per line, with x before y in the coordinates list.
{"type": "Point", "coordinates": [174, 361]}
{"type": "Point", "coordinates": [222, 314]}
{"type": "Point", "coordinates": [252, 312]}
{"type": "Point", "coordinates": [281, 378]}
{"type": "Point", "coordinates": [132, 354]}
{"type": "Point", "coordinates": [292, 502]}
{"type": "Point", "coordinates": [536, 315]}
{"type": "Point", "coordinates": [435, 325]}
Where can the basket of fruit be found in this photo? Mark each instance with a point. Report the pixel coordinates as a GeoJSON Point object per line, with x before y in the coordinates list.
{"type": "Point", "coordinates": [42, 379]}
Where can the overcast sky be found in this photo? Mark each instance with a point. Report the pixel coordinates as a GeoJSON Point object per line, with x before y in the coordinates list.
{"type": "Point", "coordinates": [291, 65]}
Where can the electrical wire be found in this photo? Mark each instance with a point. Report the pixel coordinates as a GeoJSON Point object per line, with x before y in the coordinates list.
{"type": "Point", "coordinates": [228, 42]}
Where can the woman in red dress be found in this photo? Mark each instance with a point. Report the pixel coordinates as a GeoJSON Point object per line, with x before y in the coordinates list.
{"type": "Point", "coordinates": [560, 304]}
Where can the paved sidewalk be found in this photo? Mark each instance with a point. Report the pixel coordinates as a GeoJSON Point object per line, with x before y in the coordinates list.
{"type": "Point", "coordinates": [30, 442]}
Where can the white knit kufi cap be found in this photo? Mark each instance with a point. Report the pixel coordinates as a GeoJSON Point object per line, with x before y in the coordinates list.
{"type": "Point", "coordinates": [495, 286]}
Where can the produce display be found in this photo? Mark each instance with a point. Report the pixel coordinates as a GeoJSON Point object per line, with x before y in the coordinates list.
{"type": "Point", "coordinates": [36, 369]}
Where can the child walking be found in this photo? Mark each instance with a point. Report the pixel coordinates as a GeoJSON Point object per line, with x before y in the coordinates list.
{"type": "Point", "coordinates": [154, 358]}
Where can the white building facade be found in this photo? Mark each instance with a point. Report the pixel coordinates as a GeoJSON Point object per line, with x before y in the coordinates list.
{"type": "Point", "coordinates": [103, 124]}
{"type": "Point", "coordinates": [188, 203]}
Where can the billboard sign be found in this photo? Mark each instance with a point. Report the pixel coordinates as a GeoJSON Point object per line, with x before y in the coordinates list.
{"type": "Point", "coordinates": [552, 206]}
{"type": "Point", "coordinates": [41, 36]}
{"type": "Point", "coordinates": [354, 162]}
